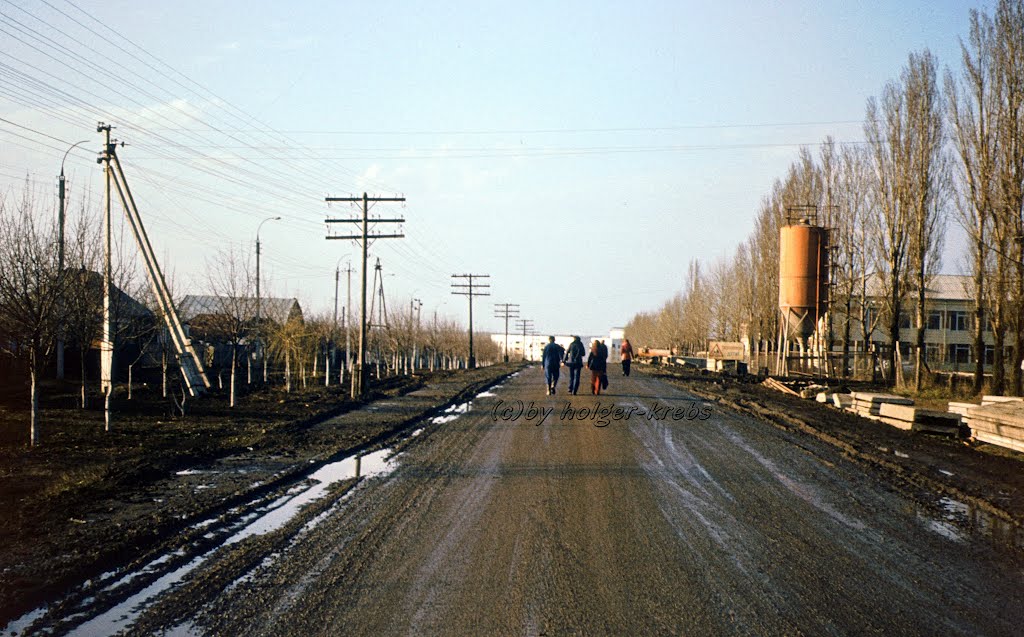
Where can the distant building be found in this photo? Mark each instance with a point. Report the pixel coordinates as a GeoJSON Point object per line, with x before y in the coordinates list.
{"type": "Point", "coordinates": [949, 324]}
{"type": "Point", "coordinates": [193, 308]}
{"type": "Point", "coordinates": [534, 343]}
{"type": "Point", "coordinates": [203, 317]}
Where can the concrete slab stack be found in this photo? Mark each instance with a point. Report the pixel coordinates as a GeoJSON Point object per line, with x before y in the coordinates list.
{"type": "Point", "coordinates": [999, 423]}
{"type": "Point", "coordinates": [868, 404]}
{"type": "Point", "coordinates": [917, 419]}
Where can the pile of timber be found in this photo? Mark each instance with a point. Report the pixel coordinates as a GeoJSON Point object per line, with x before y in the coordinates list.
{"type": "Point", "coordinates": [778, 386]}
{"type": "Point", "coordinates": [812, 391]}
{"type": "Point", "coordinates": [916, 419]}
{"type": "Point", "coordinates": [868, 405]}
{"type": "Point", "coordinates": [999, 422]}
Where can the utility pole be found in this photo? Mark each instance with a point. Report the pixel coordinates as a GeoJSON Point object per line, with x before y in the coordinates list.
{"type": "Point", "coordinates": [525, 324]}
{"type": "Point", "coordinates": [107, 344]}
{"type": "Point", "coordinates": [506, 311]}
{"type": "Point", "coordinates": [364, 238]}
{"type": "Point", "coordinates": [381, 310]}
{"type": "Point", "coordinates": [470, 290]}
{"type": "Point", "coordinates": [345, 310]}
{"type": "Point", "coordinates": [259, 324]}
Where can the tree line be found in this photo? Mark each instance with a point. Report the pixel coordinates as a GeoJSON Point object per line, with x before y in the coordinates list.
{"type": "Point", "coordinates": [938, 150]}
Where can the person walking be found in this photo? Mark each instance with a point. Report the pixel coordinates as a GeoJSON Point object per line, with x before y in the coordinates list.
{"type": "Point", "coordinates": [551, 358]}
{"type": "Point", "coordinates": [574, 361]}
{"type": "Point", "coordinates": [597, 363]}
{"type": "Point", "coordinates": [626, 354]}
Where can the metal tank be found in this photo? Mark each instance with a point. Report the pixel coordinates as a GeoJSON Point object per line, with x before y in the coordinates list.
{"type": "Point", "coordinates": [803, 277]}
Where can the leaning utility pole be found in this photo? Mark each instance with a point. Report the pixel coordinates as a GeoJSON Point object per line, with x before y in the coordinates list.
{"type": "Point", "coordinates": [524, 324]}
{"type": "Point", "coordinates": [191, 367]}
{"type": "Point", "coordinates": [506, 311]}
{"type": "Point", "coordinates": [364, 238]}
{"type": "Point", "coordinates": [470, 290]}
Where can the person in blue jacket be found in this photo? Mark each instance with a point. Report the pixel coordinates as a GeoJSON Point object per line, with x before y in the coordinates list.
{"type": "Point", "coordinates": [551, 358]}
{"type": "Point", "coordinates": [574, 361]}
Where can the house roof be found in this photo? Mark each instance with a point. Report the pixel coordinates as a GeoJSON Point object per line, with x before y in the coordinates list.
{"type": "Point", "coordinates": [946, 287]}
{"type": "Point", "coordinates": [127, 306]}
{"type": "Point", "coordinates": [278, 310]}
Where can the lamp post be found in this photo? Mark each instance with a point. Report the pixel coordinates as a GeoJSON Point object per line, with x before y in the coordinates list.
{"type": "Point", "coordinates": [258, 326]}
{"type": "Point", "coordinates": [60, 247]}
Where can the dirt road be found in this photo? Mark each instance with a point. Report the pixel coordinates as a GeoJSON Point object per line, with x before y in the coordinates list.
{"type": "Point", "coordinates": [671, 516]}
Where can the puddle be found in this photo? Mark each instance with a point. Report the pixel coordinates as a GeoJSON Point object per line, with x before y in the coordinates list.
{"type": "Point", "coordinates": [959, 521]}
{"type": "Point", "coordinates": [265, 519]}
{"type": "Point", "coordinates": [285, 508]}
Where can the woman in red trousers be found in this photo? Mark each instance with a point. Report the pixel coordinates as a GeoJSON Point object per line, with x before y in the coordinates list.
{"type": "Point", "coordinates": [597, 363]}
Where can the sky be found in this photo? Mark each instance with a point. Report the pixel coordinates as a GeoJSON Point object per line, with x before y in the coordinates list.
{"type": "Point", "coordinates": [580, 154]}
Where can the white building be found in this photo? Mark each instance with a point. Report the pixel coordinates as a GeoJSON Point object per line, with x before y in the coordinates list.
{"type": "Point", "coordinates": [534, 344]}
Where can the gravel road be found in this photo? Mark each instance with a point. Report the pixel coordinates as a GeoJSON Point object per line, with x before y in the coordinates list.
{"type": "Point", "coordinates": [671, 516]}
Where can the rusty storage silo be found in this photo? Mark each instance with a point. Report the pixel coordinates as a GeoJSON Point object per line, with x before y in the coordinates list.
{"type": "Point", "coordinates": [803, 277]}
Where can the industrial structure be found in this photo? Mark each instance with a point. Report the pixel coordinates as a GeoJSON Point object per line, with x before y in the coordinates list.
{"type": "Point", "coordinates": [803, 292]}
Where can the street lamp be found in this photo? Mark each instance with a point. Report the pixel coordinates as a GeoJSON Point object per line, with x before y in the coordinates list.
{"type": "Point", "coordinates": [258, 228]}
{"type": "Point", "coordinates": [60, 213]}
{"type": "Point", "coordinates": [60, 247]}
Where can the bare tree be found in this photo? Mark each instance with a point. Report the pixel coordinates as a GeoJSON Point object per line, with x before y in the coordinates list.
{"type": "Point", "coordinates": [885, 129]}
{"type": "Point", "coordinates": [31, 289]}
{"type": "Point", "coordinates": [1009, 74]}
{"type": "Point", "coordinates": [925, 182]}
{"type": "Point", "coordinates": [972, 107]}
{"type": "Point", "coordinates": [233, 283]}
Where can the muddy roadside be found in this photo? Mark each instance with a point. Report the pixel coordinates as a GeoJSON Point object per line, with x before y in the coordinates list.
{"type": "Point", "coordinates": [86, 504]}
{"type": "Point", "coordinates": [989, 480]}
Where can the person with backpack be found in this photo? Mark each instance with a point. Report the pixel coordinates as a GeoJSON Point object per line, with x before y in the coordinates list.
{"type": "Point", "coordinates": [551, 358]}
{"type": "Point", "coordinates": [574, 361]}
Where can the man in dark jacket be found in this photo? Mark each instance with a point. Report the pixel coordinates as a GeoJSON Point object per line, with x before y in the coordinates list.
{"type": "Point", "coordinates": [551, 358]}
{"type": "Point", "coordinates": [574, 361]}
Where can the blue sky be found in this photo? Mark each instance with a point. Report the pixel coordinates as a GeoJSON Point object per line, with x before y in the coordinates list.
{"type": "Point", "coordinates": [581, 154]}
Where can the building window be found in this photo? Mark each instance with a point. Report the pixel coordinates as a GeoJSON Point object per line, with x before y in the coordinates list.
{"type": "Point", "coordinates": [959, 354]}
{"type": "Point", "coordinates": [957, 321]}
{"type": "Point", "coordinates": [934, 321]}
{"type": "Point", "coordinates": [933, 352]}
{"type": "Point", "coordinates": [904, 321]}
